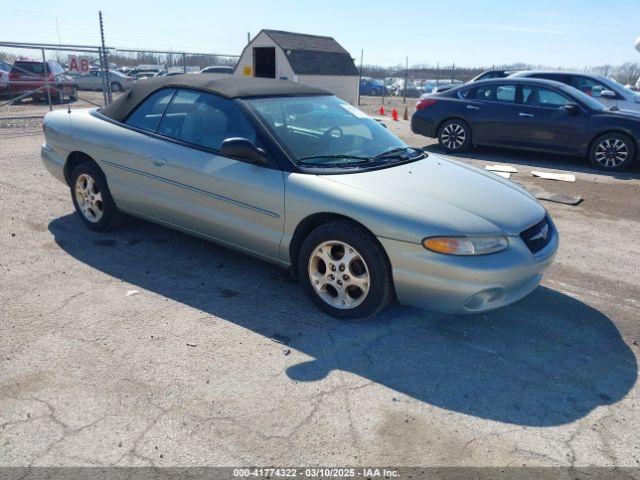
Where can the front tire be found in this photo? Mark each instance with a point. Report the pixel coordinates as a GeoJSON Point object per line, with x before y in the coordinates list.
{"type": "Point", "coordinates": [455, 136]}
{"type": "Point", "coordinates": [612, 152]}
{"type": "Point", "coordinates": [116, 87]}
{"type": "Point", "coordinates": [92, 198]}
{"type": "Point", "coordinates": [345, 271]}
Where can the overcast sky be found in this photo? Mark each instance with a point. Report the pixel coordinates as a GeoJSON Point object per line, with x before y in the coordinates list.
{"type": "Point", "coordinates": [568, 33]}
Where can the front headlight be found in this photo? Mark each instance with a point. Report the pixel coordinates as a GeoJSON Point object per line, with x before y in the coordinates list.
{"type": "Point", "coordinates": [465, 245]}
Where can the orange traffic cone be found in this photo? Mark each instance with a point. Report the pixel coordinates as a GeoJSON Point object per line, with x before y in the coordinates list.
{"type": "Point", "coordinates": [394, 114]}
{"type": "Point", "coordinates": [381, 111]}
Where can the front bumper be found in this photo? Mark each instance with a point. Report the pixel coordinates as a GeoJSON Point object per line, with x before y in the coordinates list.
{"type": "Point", "coordinates": [457, 284]}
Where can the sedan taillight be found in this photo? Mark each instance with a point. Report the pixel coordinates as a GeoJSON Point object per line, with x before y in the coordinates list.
{"type": "Point", "coordinates": [424, 103]}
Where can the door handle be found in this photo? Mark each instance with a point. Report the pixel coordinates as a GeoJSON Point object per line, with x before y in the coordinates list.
{"type": "Point", "coordinates": [526, 115]}
{"type": "Point", "coordinates": [159, 161]}
{"type": "Point", "coordinates": [472, 107]}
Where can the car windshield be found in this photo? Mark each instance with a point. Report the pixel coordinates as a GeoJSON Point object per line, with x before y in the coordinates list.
{"type": "Point", "coordinates": [324, 131]}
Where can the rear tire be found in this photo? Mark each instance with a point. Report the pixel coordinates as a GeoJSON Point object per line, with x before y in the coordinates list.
{"type": "Point", "coordinates": [612, 152]}
{"type": "Point", "coordinates": [116, 87]}
{"type": "Point", "coordinates": [92, 198]}
{"type": "Point", "coordinates": [345, 271]}
{"type": "Point", "coordinates": [455, 136]}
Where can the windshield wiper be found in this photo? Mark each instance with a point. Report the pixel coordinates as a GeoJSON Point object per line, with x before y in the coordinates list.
{"type": "Point", "coordinates": [393, 152]}
{"type": "Point", "coordinates": [615, 108]}
{"type": "Point", "coordinates": [358, 159]}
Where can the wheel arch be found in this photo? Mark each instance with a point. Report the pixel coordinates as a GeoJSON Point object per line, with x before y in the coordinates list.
{"type": "Point", "coordinates": [313, 221]}
{"type": "Point", "coordinates": [74, 159]}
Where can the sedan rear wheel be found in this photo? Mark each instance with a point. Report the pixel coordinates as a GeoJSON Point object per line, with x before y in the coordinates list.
{"type": "Point", "coordinates": [347, 272]}
{"type": "Point", "coordinates": [92, 198]}
{"type": "Point", "coordinates": [612, 151]}
{"type": "Point", "coordinates": [454, 136]}
{"type": "Point", "coordinates": [89, 198]}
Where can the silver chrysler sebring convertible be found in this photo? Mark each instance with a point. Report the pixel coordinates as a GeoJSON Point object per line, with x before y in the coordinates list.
{"type": "Point", "coordinates": [298, 177]}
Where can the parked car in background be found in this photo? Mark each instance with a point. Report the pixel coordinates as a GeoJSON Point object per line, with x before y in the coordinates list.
{"type": "Point", "coordinates": [638, 84]}
{"type": "Point", "coordinates": [294, 175]}
{"type": "Point", "coordinates": [5, 68]}
{"type": "Point", "coordinates": [143, 72]}
{"type": "Point", "coordinates": [529, 114]}
{"type": "Point", "coordinates": [410, 90]}
{"type": "Point", "coordinates": [391, 84]}
{"type": "Point", "coordinates": [444, 85]}
{"type": "Point", "coordinates": [40, 80]}
{"type": "Point", "coordinates": [428, 86]}
{"type": "Point", "coordinates": [490, 74]}
{"type": "Point", "coordinates": [605, 90]}
{"type": "Point", "coordinates": [372, 87]}
{"type": "Point", "coordinates": [141, 75]}
{"type": "Point", "coordinates": [94, 80]}
{"type": "Point", "coordinates": [168, 74]}
{"type": "Point", "coordinates": [224, 69]}
{"type": "Point", "coordinates": [434, 86]}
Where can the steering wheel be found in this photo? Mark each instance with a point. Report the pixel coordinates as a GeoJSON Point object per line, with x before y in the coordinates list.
{"type": "Point", "coordinates": [332, 133]}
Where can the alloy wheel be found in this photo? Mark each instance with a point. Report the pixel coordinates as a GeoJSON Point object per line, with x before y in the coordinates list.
{"type": "Point", "coordinates": [339, 274]}
{"type": "Point", "coordinates": [89, 198]}
{"type": "Point", "coordinates": [453, 136]}
{"type": "Point", "coordinates": [611, 152]}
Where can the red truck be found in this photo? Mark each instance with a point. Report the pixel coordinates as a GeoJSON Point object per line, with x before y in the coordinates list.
{"type": "Point", "coordinates": [39, 80]}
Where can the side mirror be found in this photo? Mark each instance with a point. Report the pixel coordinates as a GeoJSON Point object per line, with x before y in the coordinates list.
{"type": "Point", "coordinates": [610, 94]}
{"type": "Point", "coordinates": [571, 108]}
{"type": "Point", "coordinates": [243, 149]}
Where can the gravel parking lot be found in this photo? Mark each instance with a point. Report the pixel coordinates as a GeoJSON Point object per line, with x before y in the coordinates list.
{"type": "Point", "coordinates": [145, 346]}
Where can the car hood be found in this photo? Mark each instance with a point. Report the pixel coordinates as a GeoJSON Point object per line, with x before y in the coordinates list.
{"type": "Point", "coordinates": [453, 197]}
{"type": "Point", "coordinates": [634, 114]}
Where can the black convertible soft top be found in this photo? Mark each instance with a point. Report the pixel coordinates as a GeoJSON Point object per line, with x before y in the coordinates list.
{"type": "Point", "coordinates": [231, 87]}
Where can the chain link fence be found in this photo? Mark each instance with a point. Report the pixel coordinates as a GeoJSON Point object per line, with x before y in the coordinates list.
{"type": "Point", "coordinates": [38, 78]}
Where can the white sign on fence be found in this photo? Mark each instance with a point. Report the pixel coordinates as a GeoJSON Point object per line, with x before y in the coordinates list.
{"type": "Point", "coordinates": [79, 65]}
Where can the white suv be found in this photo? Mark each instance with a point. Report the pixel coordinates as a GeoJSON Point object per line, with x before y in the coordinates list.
{"type": "Point", "coordinates": [603, 89]}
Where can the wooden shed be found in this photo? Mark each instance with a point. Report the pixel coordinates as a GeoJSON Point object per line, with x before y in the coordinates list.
{"type": "Point", "coordinates": [310, 59]}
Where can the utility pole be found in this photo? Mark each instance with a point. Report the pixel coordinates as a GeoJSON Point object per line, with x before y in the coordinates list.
{"type": "Point", "coordinates": [406, 78]}
{"type": "Point", "coordinates": [59, 41]}
{"type": "Point", "coordinates": [360, 77]}
{"type": "Point", "coordinates": [106, 84]}
{"type": "Point", "coordinates": [46, 76]}
{"type": "Point", "coordinates": [58, 30]}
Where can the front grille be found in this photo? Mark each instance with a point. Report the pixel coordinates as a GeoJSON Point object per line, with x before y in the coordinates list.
{"type": "Point", "coordinates": [538, 236]}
